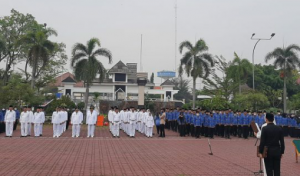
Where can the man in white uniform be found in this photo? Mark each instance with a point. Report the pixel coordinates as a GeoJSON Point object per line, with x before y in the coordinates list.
{"type": "Point", "coordinates": [121, 119]}
{"type": "Point", "coordinates": [126, 120]}
{"type": "Point", "coordinates": [76, 121]}
{"type": "Point", "coordinates": [143, 121]}
{"type": "Point", "coordinates": [91, 119]}
{"type": "Point", "coordinates": [42, 121]}
{"type": "Point", "coordinates": [37, 119]}
{"type": "Point", "coordinates": [149, 124]}
{"type": "Point", "coordinates": [132, 122]}
{"type": "Point", "coordinates": [9, 119]}
{"type": "Point", "coordinates": [116, 123]}
{"type": "Point", "coordinates": [56, 122]}
{"type": "Point", "coordinates": [24, 118]}
{"type": "Point", "coordinates": [139, 119]}
{"type": "Point", "coordinates": [110, 118]}
{"type": "Point", "coordinates": [30, 120]}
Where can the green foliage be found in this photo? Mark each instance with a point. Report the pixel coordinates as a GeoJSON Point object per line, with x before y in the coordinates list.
{"type": "Point", "coordinates": [63, 101]}
{"type": "Point", "coordinates": [217, 102]}
{"type": "Point", "coordinates": [86, 64]}
{"type": "Point", "coordinates": [149, 105]}
{"type": "Point", "coordinates": [217, 84]}
{"type": "Point", "coordinates": [12, 28]}
{"type": "Point", "coordinates": [196, 62]}
{"type": "Point", "coordinates": [239, 70]}
{"type": "Point", "coordinates": [251, 100]}
{"type": "Point", "coordinates": [80, 105]}
{"type": "Point", "coordinates": [183, 86]}
{"type": "Point", "coordinates": [18, 93]}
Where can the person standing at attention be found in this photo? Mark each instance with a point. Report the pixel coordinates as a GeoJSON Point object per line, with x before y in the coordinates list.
{"type": "Point", "coordinates": [272, 138]}
{"type": "Point", "coordinates": [162, 117]}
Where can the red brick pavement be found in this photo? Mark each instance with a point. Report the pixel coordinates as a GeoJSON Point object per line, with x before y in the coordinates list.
{"type": "Point", "coordinates": [104, 155]}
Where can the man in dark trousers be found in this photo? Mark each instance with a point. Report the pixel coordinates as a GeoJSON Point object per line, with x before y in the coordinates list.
{"type": "Point", "coordinates": [272, 138]}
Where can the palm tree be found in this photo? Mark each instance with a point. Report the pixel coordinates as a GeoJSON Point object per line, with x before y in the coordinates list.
{"type": "Point", "coordinates": [239, 70]}
{"type": "Point", "coordinates": [39, 50]}
{"type": "Point", "coordinates": [196, 63]}
{"type": "Point", "coordinates": [286, 59]}
{"type": "Point", "coordinates": [86, 64]}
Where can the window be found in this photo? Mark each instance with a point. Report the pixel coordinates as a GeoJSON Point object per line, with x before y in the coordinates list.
{"type": "Point", "coordinates": [120, 77]}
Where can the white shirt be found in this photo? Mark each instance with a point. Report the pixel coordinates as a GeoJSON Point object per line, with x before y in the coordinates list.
{"type": "Point", "coordinates": [10, 116]}
{"type": "Point", "coordinates": [116, 118]}
{"type": "Point", "coordinates": [30, 118]}
{"type": "Point", "coordinates": [56, 117]}
{"type": "Point", "coordinates": [149, 121]}
{"type": "Point", "coordinates": [132, 117]}
{"type": "Point", "coordinates": [77, 118]}
{"type": "Point", "coordinates": [43, 117]}
{"type": "Point", "coordinates": [144, 117]}
{"type": "Point", "coordinates": [91, 117]}
{"type": "Point", "coordinates": [110, 115]}
{"type": "Point", "coordinates": [24, 117]}
{"type": "Point", "coordinates": [37, 117]}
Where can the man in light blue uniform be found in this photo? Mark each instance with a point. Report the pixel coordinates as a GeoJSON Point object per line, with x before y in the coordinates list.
{"type": "Point", "coordinates": [188, 121]}
{"type": "Point", "coordinates": [227, 124]}
{"type": "Point", "coordinates": [240, 122]}
{"type": "Point", "coordinates": [198, 121]}
{"type": "Point", "coordinates": [211, 121]}
{"type": "Point", "coordinates": [192, 120]}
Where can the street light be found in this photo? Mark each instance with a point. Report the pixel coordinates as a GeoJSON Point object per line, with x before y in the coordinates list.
{"type": "Point", "coordinates": [258, 39]}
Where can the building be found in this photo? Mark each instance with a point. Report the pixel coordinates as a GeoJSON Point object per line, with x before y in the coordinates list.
{"type": "Point", "coordinates": [119, 84]}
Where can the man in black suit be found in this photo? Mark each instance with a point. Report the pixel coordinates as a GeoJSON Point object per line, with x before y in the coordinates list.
{"type": "Point", "coordinates": [272, 138]}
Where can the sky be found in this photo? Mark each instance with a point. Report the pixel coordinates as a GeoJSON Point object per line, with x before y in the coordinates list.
{"type": "Point", "coordinates": [226, 26]}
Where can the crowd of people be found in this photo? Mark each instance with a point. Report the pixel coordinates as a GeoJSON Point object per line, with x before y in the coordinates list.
{"type": "Point", "coordinates": [186, 122]}
{"type": "Point", "coordinates": [130, 120]}
{"type": "Point", "coordinates": [223, 123]}
{"type": "Point", "coordinates": [11, 117]}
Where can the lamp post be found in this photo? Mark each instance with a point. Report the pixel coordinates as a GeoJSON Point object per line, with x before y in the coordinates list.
{"type": "Point", "coordinates": [258, 39]}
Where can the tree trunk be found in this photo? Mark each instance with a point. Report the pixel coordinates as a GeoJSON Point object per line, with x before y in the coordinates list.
{"type": "Point", "coordinates": [33, 75]}
{"type": "Point", "coordinates": [284, 94]}
{"type": "Point", "coordinates": [194, 92]}
{"type": "Point", "coordinates": [86, 97]}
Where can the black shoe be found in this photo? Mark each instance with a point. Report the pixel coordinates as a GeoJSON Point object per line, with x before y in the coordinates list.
{"type": "Point", "coordinates": [41, 135]}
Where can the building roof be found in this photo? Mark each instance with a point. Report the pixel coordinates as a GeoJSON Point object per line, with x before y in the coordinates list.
{"type": "Point", "coordinates": [69, 80]}
{"type": "Point", "coordinates": [59, 80]}
{"type": "Point", "coordinates": [167, 83]}
{"type": "Point", "coordinates": [120, 67]}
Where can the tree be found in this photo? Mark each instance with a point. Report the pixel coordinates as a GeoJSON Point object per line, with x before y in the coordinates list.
{"type": "Point", "coordinates": [183, 86]}
{"type": "Point", "coordinates": [252, 100]}
{"type": "Point", "coordinates": [239, 70]}
{"type": "Point", "coordinates": [39, 50]}
{"type": "Point", "coordinates": [217, 84]}
{"type": "Point", "coordinates": [17, 92]}
{"type": "Point", "coordinates": [196, 62]}
{"type": "Point", "coordinates": [86, 64]}
{"type": "Point", "coordinates": [12, 28]}
{"type": "Point", "coordinates": [288, 60]}
{"type": "Point", "coordinates": [152, 78]}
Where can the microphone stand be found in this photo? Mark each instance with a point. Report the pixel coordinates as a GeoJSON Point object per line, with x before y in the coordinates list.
{"type": "Point", "coordinates": [260, 169]}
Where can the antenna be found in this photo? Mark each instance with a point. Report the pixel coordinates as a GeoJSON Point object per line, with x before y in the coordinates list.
{"type": "Point", "coordinates": [175, 35]}
{"type": "Point", "coordinates": [141, 65]}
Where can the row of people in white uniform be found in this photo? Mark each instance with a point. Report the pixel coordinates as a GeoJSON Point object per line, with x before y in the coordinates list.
{"type": "Point", "coordinates": [59, 120]}
{"type": "Point", "coordinates": [130, 120]}
{"type": "Point", "coordinates": [28, 118]}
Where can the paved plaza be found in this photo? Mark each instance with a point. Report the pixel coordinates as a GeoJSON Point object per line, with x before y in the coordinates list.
{"type": "Point", "coordinates": [104, 155]}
